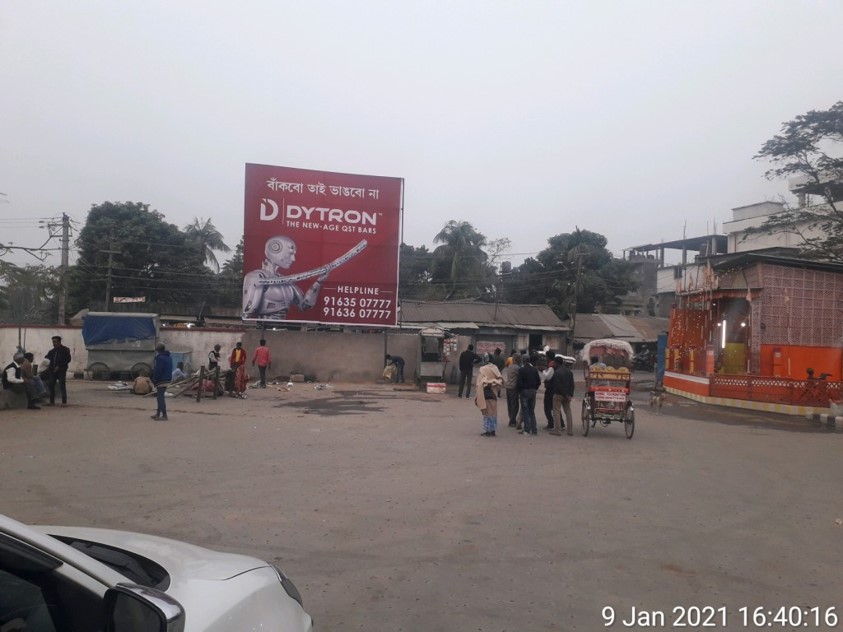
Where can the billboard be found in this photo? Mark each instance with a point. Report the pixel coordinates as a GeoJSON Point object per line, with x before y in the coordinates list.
{"type": "Point", "coordinates": [321, 247]}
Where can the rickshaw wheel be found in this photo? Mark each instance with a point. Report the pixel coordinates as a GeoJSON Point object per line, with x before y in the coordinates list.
{"type": "Point", "coordinates": [99, 371]}
{"type": "Point", "coordinates": [141, 366]}
{"type": "Point", "coordinates": [629, 423]}
{"type": "Point", "coordinates": [586, 417]}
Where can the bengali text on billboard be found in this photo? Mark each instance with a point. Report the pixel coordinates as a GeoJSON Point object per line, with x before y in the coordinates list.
{"type": "Point", "coordinates": [321, 247]}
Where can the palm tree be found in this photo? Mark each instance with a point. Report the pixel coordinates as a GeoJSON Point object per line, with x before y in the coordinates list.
{"type": "Point", "coordinates": [205, 235]}
{"type": "Point", "coordinates": [462, 249]}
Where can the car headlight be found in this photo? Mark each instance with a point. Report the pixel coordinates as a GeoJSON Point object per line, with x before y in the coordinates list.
{"type": "Point", "coordinates": [289, 586]}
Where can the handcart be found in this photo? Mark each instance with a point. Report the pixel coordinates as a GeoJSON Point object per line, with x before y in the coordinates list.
{"type": "Point", "coordinates": [608, 384]}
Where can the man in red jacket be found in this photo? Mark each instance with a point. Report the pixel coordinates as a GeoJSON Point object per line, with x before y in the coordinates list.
{"type": "Point", "coordinates": [262, 359]}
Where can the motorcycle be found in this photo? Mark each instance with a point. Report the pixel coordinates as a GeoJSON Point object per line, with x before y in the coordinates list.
{"type": "Point", "coordinates": [644, 361]}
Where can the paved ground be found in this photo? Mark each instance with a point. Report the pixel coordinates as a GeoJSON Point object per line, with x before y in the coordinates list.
{"type": "Point", "coordinates": [391, 512]}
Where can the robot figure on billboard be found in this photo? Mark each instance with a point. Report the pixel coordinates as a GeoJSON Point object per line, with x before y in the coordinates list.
{"type": "Point", "coordinates": [269, 295]}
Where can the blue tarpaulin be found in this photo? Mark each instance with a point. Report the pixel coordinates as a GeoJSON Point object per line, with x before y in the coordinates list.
{"type": "Point", "coordinates": [102, 328]}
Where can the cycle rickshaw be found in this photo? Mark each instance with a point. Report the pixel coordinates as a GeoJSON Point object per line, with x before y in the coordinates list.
{"type": "Point", "coordinates": [608, 383]}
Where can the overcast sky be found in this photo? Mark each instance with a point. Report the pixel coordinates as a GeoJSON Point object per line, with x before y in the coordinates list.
{"type": "Point", "coordinates": [637, 120]}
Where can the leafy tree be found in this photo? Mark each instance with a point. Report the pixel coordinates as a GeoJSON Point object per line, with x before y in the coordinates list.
{"type": "Point", "coordinates": [204, 235]}
{"type": "Point", "coordinates": [574, 273]}
{"type": "Point", "coordinates": [230, 279]}
{"type": "Point", "coordinates": [150, 258]}
{"type": "Point", "coordinates": [460, 261]}
{"type": "Point", "coordinates": [809, 147]}
{"type": "Point", "coordinates": [414, 273]}
{"type": "Point", "coordinates": [30, 293]}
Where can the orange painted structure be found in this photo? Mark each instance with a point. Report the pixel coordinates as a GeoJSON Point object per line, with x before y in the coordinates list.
{"type": "Point", "coordinates": [754, 327]}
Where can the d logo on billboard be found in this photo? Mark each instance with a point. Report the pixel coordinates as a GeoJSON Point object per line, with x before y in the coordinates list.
{"type": "Point", "coordinates": [266, 217]}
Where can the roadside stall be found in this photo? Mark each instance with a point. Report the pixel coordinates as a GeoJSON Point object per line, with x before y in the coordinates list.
{"type": "Point", "coordinates": [432, 359]}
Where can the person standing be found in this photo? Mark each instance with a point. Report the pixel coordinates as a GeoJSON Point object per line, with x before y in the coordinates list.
{"type": "Point", "coordinates": [398, 361]}
{"type": "Point", "coordinates": [510, 383]}
{"type": "Point", "coordinates": [467, 361]}
{"type": "Point", "coordinates": [489, 383]}
{"type": "Point", "coordinates": [546, 376]}
{"type": "Point", "coordinates": [238, 356]}
{"type": "Point", "coordinates": [241, 381]}
{"type": "Point", "coordinates": [235, 361]}
{"type": "Point", "coordinates": [562, 387]}
{"type": "Point", "coordinates": [162, 372]}
{"type": "Point", "coordinates": [528, 383]}
{"type": "Point", "coordinates": [263, 360]}
{"type": "Point", "coordinates": [214, 357]}
{"type": "Point", "coordinates": [59, 357]}
{"type": "Point", "coordinates": [14, 381]}
{"type": "Point", "coordinates": [498, 359]}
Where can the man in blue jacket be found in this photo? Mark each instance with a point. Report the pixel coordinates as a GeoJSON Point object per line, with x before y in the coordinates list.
{"type": "Point", "coordinates": [162, 373]}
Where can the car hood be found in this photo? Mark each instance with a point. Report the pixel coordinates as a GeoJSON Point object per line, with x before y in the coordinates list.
{"type": "Point", "coordinates": [179, 559]}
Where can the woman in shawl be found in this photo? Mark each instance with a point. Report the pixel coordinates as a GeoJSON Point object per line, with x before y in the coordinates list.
{"type": "Point", "coordinates": [241, 380]}
{"type": "Point", "coordinates": [489, 382]}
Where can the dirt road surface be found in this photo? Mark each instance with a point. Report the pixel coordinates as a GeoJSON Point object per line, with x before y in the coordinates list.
{"type": "Point", "coordinates": [391, 512]}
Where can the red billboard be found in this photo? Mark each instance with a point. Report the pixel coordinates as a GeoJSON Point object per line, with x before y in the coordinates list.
{"type": "Point", "coordinates": [321, 247]}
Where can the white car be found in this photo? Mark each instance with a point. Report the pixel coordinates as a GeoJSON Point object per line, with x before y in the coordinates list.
{"type": "Point", "coordinates": [79, 579]}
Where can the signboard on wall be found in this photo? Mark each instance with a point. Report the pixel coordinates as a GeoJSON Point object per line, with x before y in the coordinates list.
{"type": "Point", "coordinates": [321, 247]}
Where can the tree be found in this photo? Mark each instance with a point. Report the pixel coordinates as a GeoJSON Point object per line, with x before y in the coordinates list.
{"type": "Point", "coordinates": [30, 293]}
{"type": "Point", "coordinates": [149, 258]}
{"type": "Point", "coordinates": [414, 273]}
{"type": "Point", "coordinates": [575, 272]}
{"type": "Point", "coordinates": [460, 261]}
{"type": "Point", "coordinates": [205, 236]}
{"type": "Point", "coordinates": [809, 148]}
{"type": "Point", "coordinates": [230, 279]}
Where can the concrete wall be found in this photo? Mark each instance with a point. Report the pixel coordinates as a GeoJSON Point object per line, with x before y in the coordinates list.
{"type": "Point", "coordinates": [38, 340]}
{"type": "Point", "coordinates": [200, 341]}
{"type": "Point", "coordinates": [329, 356]}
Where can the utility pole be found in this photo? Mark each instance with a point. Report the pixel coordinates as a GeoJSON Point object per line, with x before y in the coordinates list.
{"type": "Point", "coordinates": [579, 254]}
{"type": "Point", "coordinates": [111, 252]}
{"type": "Point", "coordinates": [65, 252]}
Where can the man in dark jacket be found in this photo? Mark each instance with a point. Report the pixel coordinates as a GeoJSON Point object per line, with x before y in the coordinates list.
{"type": "Point", "coordinates": [528, 383]}
{"type": "Point", "coordinates": [562, 385]}
{"type": "Point", "coordinates": [59, 357]}
{"type": "Point", "coordinates": [398, 361]}
{"type": "Point", "coordinates": [162, 373]}
{"type": "Point", "coordinates": [467, 361]}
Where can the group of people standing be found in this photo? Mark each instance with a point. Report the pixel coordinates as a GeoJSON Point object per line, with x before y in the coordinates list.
{"type": "Point", "coordinates": [163, 373]}
{"type": "Point", "coordinates": [520, 380]}
{"type": "Point", "coordinates": [22, 376]}
{"type": "Point", "coordinates": [237, 364]}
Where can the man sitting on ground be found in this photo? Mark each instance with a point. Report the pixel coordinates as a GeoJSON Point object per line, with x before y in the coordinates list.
{"type": "Point", "coordinates": [178, 373]}
{"type": "Point", "coordinates": [143, 385]}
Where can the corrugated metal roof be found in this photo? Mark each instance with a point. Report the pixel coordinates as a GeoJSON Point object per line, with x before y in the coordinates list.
{"type": "Point", "coordinates": [449, 314]}
{"type": "Point", "coordinates": [629, 328]}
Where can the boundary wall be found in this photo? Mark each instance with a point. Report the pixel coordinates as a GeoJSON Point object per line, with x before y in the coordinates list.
{"type": "Point", "coordinates": [325, 355]}
{"type": "Point", "coordinates": [699, 388]}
